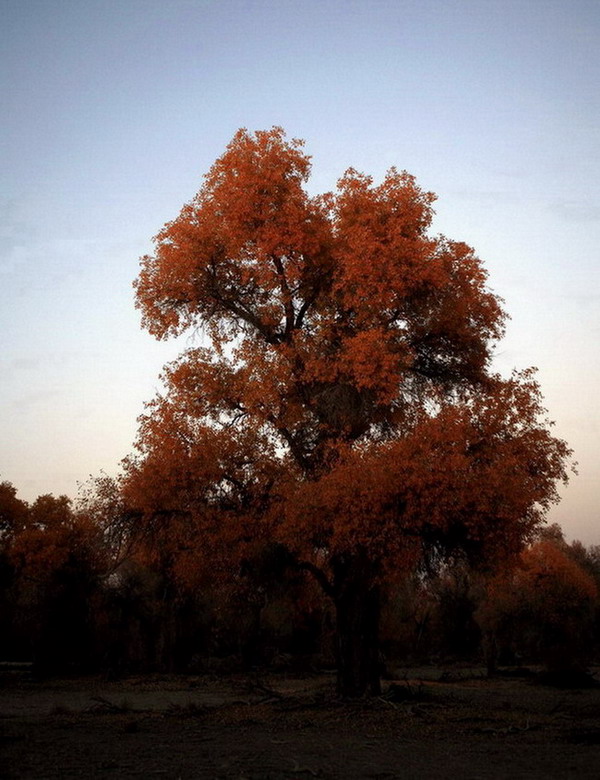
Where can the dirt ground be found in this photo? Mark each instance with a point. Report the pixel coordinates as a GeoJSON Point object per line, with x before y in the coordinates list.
{"type": "Point", "coordinates": [429, 723]}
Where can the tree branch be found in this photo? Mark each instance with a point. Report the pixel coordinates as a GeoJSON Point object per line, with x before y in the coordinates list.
{"type": "Point", "coordinates": [319, 575]}
{"type": "Point", "coordinates": [286, 294]}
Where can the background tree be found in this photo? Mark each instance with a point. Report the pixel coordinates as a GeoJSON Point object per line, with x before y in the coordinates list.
{"type": "Point", "coordinates": [57, 558]}
{"type": "Point", "coordinates": [13, 514]}
{"type": "Point", "coordinates": [541, 610]}
{"type": "Point", "coordinates": [345, 407]}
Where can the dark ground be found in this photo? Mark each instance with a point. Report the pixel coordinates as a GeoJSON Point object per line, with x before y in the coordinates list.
{"type": "Point", "coordinates": [455, 724]}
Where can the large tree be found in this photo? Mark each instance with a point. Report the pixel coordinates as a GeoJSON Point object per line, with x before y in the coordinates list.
{"type": "Point", "coordinates": [345, 408]}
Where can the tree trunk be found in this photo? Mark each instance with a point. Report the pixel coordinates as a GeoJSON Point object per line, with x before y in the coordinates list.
{"type": "Point", "coordinates": [357, 605]}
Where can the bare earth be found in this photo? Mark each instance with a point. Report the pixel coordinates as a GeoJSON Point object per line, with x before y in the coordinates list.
{"type": "Point", "coordinates": [430, 724]}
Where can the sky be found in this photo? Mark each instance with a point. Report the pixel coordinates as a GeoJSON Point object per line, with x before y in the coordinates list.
{"type": "Point", "coordinates": [114, 110]}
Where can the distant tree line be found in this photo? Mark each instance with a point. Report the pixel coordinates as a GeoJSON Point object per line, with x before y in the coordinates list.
{"type": "Point", "coordinates": [82, 592]}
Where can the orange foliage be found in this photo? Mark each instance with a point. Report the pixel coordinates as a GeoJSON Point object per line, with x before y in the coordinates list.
{"type": "Point", "coordinates": [52, 537]}
{"type": "Point", "coordinates": [554, 577]}
{"type": "Point", "coordinates": [13, 512]}
{"type": "Point", "coordinates": [345, 403]}
{"type": "Point", "coordinates": [546, 597]}
{"type": "Point", "coordinates": [543, 575]}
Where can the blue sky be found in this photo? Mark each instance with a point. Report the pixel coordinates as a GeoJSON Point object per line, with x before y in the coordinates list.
{"type": "Point", "coordinates": [114, 109]}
